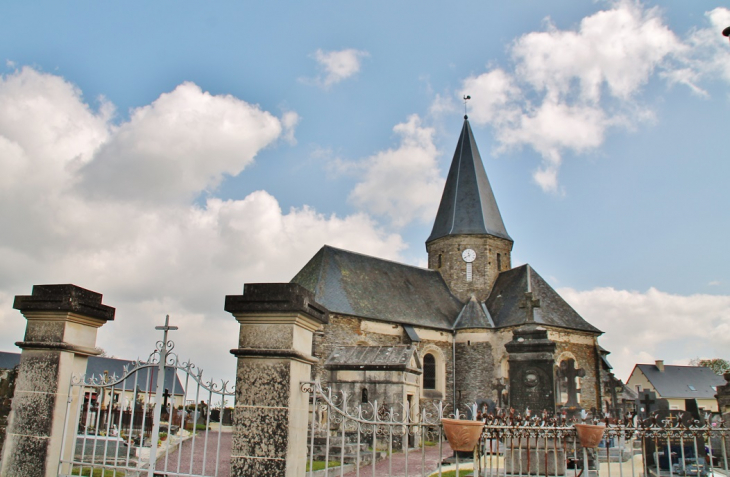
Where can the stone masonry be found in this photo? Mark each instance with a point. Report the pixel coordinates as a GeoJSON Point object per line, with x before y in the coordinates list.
{"type": "Point", "coordinates": [59, 337]}
{"type": "Point", "coordinates": [270, 416]}
{"type": "Point", "coordinates": [444, 255]}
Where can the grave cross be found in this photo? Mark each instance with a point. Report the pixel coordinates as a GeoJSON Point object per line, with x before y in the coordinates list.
{"type": "Point", "coordinates": [500, 386]}
{"type": "Point", "coordinates": [529, 304]}
{"type": "Point", "coordinates": [166, 395]}
{"type": "Point", "coordinates": [569, 372]}
{"type": "Point", "coordinates": [647, 399]}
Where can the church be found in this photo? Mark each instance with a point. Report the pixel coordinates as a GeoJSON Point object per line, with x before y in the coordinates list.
{"type": "Point", "coordinates": [469, 329]}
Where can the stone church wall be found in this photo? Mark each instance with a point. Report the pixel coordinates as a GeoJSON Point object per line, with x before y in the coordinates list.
{"type": "Point", "coordinates": [345, 330]}
{"type": "Point", "coordinates": [484, 268]}
{"type": "Point", "coordinates": [475, 371]}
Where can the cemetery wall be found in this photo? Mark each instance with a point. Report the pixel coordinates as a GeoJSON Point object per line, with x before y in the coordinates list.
{"type": "Point", "coordinates": [582, 347]}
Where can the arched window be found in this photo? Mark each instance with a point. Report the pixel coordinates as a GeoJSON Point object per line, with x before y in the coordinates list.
{"type": "Point", "coordinates": [364, 395]}
{"type": "Point", "coordinates": [429, 372]}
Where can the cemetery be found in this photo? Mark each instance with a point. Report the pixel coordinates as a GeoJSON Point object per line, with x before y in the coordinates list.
{"type": "Point", "coordinates": [368, 365]}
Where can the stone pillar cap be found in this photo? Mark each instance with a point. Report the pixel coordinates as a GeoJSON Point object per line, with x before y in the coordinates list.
{"type": "Point", "coordinates": [276, 298]}
{"type": "Point", "coordinates": [64, 298]}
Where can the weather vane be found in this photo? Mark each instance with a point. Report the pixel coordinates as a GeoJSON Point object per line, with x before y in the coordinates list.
{"type": "Point", "coordinates": [466, 98]}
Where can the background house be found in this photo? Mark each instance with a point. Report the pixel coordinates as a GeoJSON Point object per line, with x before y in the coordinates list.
{"type": "Point", "coordinates": [677, 384]}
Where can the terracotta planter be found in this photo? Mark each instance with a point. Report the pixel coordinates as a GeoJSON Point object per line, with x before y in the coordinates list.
{"type": "Point", "coordinates": [462, 435]}
{"type": "Point", "coordinates": [589, 436]}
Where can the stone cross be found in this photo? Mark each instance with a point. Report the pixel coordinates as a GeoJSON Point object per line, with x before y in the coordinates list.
{"type": "Point", "coordinates": [647, 398]}
{"type": "Point", "coordinates": [529, 304]}
{"type": "Point", "coordinates": [569, 372]}
{"type": "Point", "coordinates": [500, 386]}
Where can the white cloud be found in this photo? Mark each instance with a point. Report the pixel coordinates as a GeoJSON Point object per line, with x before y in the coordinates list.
{"type": "Point", "coordinates": [641, 327]}
{"type": "Point", "coordinates": [404, 183]}
{"type": "Point", "coordinates": [150, 253]}
{"type": "Point", "coordinates": [338, 65]}
{"type": "Point", "coordinates": [568, 88]}
{"type": "Point", "coordinates": [181, 144]}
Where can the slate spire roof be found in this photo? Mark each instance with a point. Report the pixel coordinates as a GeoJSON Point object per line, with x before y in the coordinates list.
{"type": "Point", "coordinates": [467, 205]}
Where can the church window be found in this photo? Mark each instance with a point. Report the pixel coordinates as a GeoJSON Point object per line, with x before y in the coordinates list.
{"type": "Point", "coordinates": [499, 262]}
{"type": "Point", "coordinates": [439, 265]}
{"type": "Point", "coordinates": [429, 372]}
{"type": "Point", "coordinates": [468, 272]}
{"type": "Point", "coordinates": [365, 395]}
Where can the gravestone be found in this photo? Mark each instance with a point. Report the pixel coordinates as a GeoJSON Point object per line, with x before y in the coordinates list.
{"type": "Point", "coordinates": [532, 386]}
{"type": "Point", "coordinates": [532, 383]}
{"type": "Point", "coordinates": [568, 373]}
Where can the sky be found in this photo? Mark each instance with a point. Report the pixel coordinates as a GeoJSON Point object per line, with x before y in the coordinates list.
{"type": "Point", "coordinates": [165, 153]}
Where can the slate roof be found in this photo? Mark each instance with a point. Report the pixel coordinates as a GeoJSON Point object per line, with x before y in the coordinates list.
{"type": "Point", "coordinates": [468, 206]}
{"type": "Point", "coordinates": [674, 381]}
{"type": "Point", "coordinates": [96, 366]}
{"type": "Point", "coordinates": [9, 360]}
{"type": "Point", "coordinates": [397, 358]}
{"type": "Point", "coordinates": [473, 315]}
{"type": "Point", "coordinates": [506, 303]}
{"type": "Point", "coordinates": [350, 283]}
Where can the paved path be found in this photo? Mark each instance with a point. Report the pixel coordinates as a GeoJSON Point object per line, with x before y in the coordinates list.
{"type": "Point", "coordinates": [224, 464]}
{"type": "Point", "coordinates": [381, 468]}
{"type": "Point", "coordinates": [399, 464]}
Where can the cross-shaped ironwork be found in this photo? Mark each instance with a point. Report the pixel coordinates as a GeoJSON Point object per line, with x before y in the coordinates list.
{"type": "Point", "coordinates": [569, 372]}
{"type": "Point", "coordinates": [160, 385]}
{"type": "Point", "coordinates": [529, 304]}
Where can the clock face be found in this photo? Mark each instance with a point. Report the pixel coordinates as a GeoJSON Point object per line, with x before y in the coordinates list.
{"type": "Point", "coordinates": [469, 255]}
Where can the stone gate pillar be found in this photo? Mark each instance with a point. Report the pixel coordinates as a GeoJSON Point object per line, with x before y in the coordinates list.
{"type": "Point", "coordinates": [59, 337]}
{"type": "Point", "coordinates": [274, 357]}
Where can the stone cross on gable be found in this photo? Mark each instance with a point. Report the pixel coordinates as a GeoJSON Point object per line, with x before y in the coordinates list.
{"type": "Point", "coordinates": [529, 304]}
{"type": "Point", "coordinates": [569, 372]}
{"type": "Point", "coordinates": [647, 399]}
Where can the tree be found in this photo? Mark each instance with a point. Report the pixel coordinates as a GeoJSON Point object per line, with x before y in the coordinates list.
{"type": "Point", "coordinates": [718, 365]}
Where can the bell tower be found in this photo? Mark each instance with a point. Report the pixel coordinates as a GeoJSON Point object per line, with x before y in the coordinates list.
{"type": "Point", "coordinates": [469, 244]}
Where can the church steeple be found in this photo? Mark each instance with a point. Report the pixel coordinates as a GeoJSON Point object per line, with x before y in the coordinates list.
{"type": "Point", "coordinates": [467, 205]}
{"type": "Point", "coordinates": [469, 243]}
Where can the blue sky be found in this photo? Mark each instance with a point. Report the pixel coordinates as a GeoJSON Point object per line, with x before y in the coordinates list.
{"type": "Point", "coordinates": [165, 153]}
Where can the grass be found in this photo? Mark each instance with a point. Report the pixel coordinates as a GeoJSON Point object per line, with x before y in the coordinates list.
{"type": "Point", "coordinates": [86, 472]}
{"type": "Point", "coordinates": [452, 473]}
{"type": "Point", "coordinates": [319, 464]}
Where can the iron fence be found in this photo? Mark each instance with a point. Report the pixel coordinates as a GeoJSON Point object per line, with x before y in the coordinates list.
{"type": "Point", "coordinates": [350, 438]}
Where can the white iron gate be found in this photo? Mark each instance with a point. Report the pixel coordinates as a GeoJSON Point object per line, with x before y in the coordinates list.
{"type": "Point", "coordinates": [124, 438]}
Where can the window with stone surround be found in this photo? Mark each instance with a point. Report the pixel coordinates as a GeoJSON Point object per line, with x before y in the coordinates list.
{"type": "Point", "coordinates": [429, 372]}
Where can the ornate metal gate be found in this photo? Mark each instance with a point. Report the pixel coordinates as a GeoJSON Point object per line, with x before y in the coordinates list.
{"type": "Point", "coordinates": [124, 438]}
{"type": "Point", "coordinates": [348, 435]}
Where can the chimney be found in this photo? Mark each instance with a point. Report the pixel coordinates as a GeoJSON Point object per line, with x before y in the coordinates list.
{"type": "Point", "coordinates": [660, 364]}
